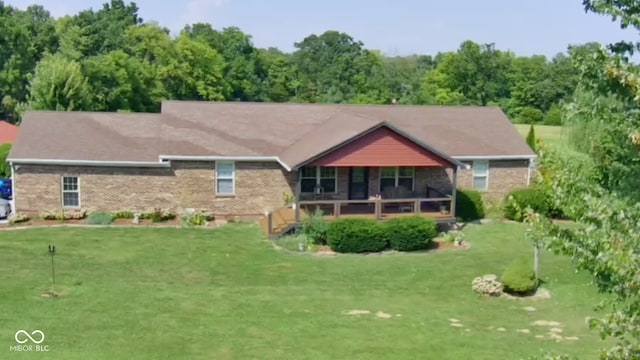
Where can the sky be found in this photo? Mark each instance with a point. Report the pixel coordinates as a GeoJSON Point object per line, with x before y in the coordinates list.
{"type": "Point", "coordinates": [400, 27]}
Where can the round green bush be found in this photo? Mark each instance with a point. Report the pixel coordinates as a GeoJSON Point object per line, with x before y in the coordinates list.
{"type": "Point", "coordinates": [411, 233]}
{"type": "Point", "coordinates": [520, 278]}
{"type": "Point", "coordinates": [357, 236]}
{"type": "Point", "coordinates": [469, 205]}
{"type": "Point", "coordinates": [99, 218]}
{"type": "Point", "coordinates": [519, 199]}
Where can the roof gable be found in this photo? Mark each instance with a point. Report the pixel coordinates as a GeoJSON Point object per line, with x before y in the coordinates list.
{"type": "Point", "coordinates": [382, 145]}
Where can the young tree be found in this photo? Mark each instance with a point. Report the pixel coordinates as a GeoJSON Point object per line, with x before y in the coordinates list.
{"type": "Point", "coordinates": [531, 138]}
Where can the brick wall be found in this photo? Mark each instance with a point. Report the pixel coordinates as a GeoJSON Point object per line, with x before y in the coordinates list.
{"type": "Point", "coordinates": [504, 175]}
{"type": "Point", "coordinates": [259, 187]}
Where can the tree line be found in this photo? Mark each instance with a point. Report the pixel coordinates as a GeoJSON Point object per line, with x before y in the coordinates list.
{"type": "Point", "coordinates": [111, 60]}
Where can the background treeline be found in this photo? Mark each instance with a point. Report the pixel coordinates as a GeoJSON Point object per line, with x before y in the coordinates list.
{"type": "Point", "coordinates": [111, 60]}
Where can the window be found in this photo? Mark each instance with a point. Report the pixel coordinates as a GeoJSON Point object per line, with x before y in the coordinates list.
{"type": "Point", "coordinates": [480, 175]}
{"type": "Point", "coordinates": [312, 176]}
{"type": "Point", "coordinates": [397, 176]}
{"type": "Point", "coordinates": [225, 177]}
{"type": "Point", "coordinates": [70, 191]}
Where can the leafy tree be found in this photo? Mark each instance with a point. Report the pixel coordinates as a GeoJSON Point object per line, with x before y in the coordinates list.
{"type": "Point", "coordinates": [121, 82]}
{"type": "Point", "coordinates": [58, 84]}
{"type": "Point", "coordinates": [553, 116]}
{"type": "Point", "coordinates": [5, 170]}
{"type": "Point", "coordinates": [604, 198]}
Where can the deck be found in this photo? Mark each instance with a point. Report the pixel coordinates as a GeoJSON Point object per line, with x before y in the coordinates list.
{"type": "Point", "coordinates": [282, 220]}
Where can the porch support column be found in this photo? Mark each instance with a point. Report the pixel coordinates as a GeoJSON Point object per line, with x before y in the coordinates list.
{"type": "Point", "coordinates": [297, 195]}
{"type": "Point", "coordinates": [454, 191]}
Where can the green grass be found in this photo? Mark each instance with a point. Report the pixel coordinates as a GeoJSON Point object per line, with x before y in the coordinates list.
{"type": "Point", "coordinates": [170, 293]}
{"type": "Point", "coordinates": [549, 134]}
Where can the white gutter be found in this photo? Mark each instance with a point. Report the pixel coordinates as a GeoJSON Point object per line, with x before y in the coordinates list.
{"type": "Point", "coordinates": [496, 157]}
{"type": "Point", "coordinates": [88, 162]}
{"type": "Point", "coordinates": [224, 158]}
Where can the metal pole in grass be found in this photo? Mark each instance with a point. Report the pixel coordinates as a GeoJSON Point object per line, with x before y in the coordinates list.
{"type": "Point", "coordinates": [52, 252]}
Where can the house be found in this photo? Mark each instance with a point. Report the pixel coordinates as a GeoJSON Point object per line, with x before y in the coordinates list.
{"type": "Point", "coordinates": [241, 159]}
{"type": "Point", "coordinates": [8, 132]}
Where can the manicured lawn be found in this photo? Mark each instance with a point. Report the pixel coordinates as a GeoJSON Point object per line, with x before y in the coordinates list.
{"type": "Point", "coordinates": [549, 134]}
{"type": "Point", "coordinates": [161, 293]}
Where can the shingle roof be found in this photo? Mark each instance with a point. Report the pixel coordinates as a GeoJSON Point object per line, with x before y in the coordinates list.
{"type": "Point", "coordinates": [8, 132]}
{"type": "Point", "coordinates": [293, 132]}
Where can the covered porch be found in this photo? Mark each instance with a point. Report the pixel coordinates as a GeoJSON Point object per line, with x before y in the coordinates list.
{"type": "Point", "coordinates": [377, 192]}
{"type": "Point", "coordinates": [381, 173]}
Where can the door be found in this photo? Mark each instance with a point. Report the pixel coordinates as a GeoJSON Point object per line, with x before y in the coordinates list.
{"type": "Point", "coordinates": [358, 183]}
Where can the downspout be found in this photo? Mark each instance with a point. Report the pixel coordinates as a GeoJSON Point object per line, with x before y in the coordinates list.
{"type": "Point", "coordinates": [297, 195]}
{"type": "Point", "coordinates": [12, 202]}
{"type": "Point", "coordinates": [529, 170]}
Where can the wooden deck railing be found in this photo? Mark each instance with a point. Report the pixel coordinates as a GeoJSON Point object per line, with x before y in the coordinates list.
{"type": "Point", "coordinates": [379, 208]}
{"type": "Point", "coordinates": [283, 219]}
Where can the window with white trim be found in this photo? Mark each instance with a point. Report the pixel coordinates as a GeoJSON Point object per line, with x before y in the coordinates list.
{"type": "Point", "coordinates": [225, 177]}
{"type": "Point", "coordinates": [70, 191]}
{"type": "Point", "coordinates": [397, 176]}
{"type": "Point", "coordinates": [481, 174]}
{"type": "Point", "coordinates": [318, 176]}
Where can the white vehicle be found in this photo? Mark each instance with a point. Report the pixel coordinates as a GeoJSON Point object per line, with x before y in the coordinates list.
{"type": "Point", "coordinates": [5, 208]}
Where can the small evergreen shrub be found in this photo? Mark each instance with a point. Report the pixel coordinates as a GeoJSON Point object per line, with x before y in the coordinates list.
{"type": "Point", "coordinates": [520, 278]}
{"type": "Point", "coordinates": [469, 205]}
{"type": "Point", "coordinates": [531, 138]}
{"type": "Point", "coordinates": [518, 200]}
{"type": "Point", "coordinates": [554, 116]}
{"type": "Point", "coordinates": [99, 218]}
{"type": "Point", "coordinates": [411, 233]}
{"type": "Point", "coordinates": [315, 227]}
{"type": "Point", "coordinates": [357, 236]}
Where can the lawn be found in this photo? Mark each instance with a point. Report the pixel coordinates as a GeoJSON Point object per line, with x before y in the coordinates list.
{"type": "Point", "coordinates": [549, 134]}
{"type": "Point", "coordinates": [167, 293]}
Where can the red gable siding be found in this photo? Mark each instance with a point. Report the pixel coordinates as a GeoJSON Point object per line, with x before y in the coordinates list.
{"type": "Point", "coordinates": [8, 132]}
{"type": "Point", "coordinates": [381, 147]}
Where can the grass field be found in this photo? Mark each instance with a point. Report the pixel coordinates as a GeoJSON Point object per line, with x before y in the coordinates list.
{"type": "Point", "coordinates": [165, 293]}
{"type": "Point", "coordinates": [549, 134]}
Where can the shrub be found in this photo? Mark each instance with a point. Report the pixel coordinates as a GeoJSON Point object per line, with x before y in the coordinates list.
{"type": "Point", "coordinates": [487, 285]}
{"type": "Point", "coordinates": [99, 218]}
{"type": "Point", "coordinates": [159, 215]}
{"type": "Point", "coordinates": [530, 115]}
{"type": "Point", "coordinates": [411, 233]}
{"type": "Point", "coordinates": [5, 170]}
{"type": "Point", "coordinates": [122, 215]}
{"type": "Point", "coordinates": [63, 215]}
{"type": "Point", "coordinates": [519, 278]}
{"type": "Point", "coordinates": [531, 138]}
{"type": "Point", "coordinates": [196, 218]}
{"type": "Point", "coordinates": [453, 236]}
{"type": "Point", "coordinates": [519, 199]}
{"type": "Point", "coordinates": [315, 227]}
{"type": "Point", "coordinates": [357, 236]}
{"type": "Point", "coordinates": [16, 218]}
{"type": "Point", "coordinates": [554, 116]}
{"type": "Point", "coordinates": [469, 205]}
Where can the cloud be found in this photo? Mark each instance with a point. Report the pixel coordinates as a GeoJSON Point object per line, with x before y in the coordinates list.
{"type": "Point", "coordinates": [199, 10]}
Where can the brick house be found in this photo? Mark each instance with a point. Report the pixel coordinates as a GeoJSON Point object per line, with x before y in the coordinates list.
{"type": "Point", "coordinates": [240, 159]}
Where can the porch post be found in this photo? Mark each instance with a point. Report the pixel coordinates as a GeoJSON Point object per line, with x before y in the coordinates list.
{"type": "Point", "coordinates": [454, 191]}
{"type": "Point", "coordinates": [297, 195]}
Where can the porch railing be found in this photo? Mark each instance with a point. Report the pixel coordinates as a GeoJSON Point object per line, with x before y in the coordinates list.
{"type": "Point", "coordinates": [440, 207]}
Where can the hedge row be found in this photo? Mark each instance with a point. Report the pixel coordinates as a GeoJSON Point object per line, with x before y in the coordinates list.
{"type": "Point", "coordinates": [368, 235]}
